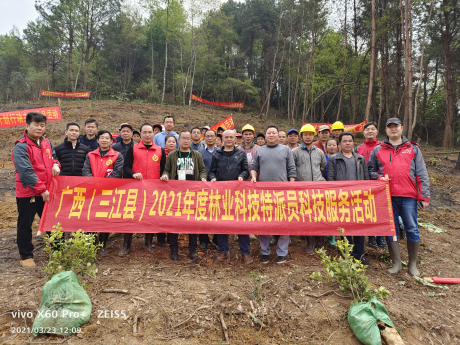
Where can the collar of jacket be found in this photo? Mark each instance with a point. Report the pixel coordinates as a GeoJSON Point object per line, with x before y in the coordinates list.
{"type": "Point", "coordinates": [313, 147]}
{"type": "Point", "coordinates": [26, 135]}
{"type": "Point", "coordinates": [371, 141]}
{"type": "Point", "coordinates": [221, 151]}
{"type": "Point", "coordinates": [67, 142]}
{"type": "Point", "coordinates": [247, 148]}
{"type": "Point", "coordinates": [339, 155]}
{"type": "Point", "coordinates": [129, 144]}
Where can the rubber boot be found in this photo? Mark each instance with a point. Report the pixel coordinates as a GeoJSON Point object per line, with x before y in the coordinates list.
{"type": "Point", "coordinates": [103, 238]}
{"type": "Point", "coordinates": [412, 249]}
{"type": "Point", "coordinates": [148, 243]}
{"type": "Point", "coordinates": [126, 245]}
{"type": "Point", "coordinates": [331, 240]}
{"type": "Point", "coordinates": [395, 255]}
{"type": "Point", "coordinates": [311, 244]}
{"type": "Point", "coordinates": [372, 241]}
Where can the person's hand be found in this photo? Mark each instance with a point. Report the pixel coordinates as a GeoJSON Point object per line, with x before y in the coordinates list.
{"type": "Point", "coordinates": [240, 178]}
{"type": "Point", "coordinates": [254, 179]}
{"type": "Point", "coordinates": [46, 195]}
{"type": "Point", "coordinates": [137, 176]}
{"type": "Point", "coordinates": [384, 178]}
{"type": "Point", "coordinates": [425, 204]}
{"type": "Point", "coordinates": [203, 180]}
{"type": "Point", "coordinates": [164, 178]}
{"type": "Point", "coordinates": [56, 171]}
{"type": "Point", "coordinates": [213, 180]}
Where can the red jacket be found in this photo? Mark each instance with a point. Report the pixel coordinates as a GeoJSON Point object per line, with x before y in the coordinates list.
{"type": "Point", "coordinates": [319, 145]}
{"type": "Point", "coordinates": [33, 165]}
{"type": "Point", "coordinates": [405, 168]}
{"type": "Point", "coordinates": [147, 162]}
{"type": "Point", "coordinates": [365, 149]}
{"type": "Point", "coordinates": [102, 166]}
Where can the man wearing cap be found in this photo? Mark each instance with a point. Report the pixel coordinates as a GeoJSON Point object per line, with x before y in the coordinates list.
{"type": "Point", "coordinates": [168, 123]}
{"type": "Point", "coordinates": [260, 140]}
{"type": "Point", "coordinates": [136, 137]}
{"type": "Point", "coordinates": [323, 134]}
{"type": "Point", "coordinates": [239, 139]}
{"type": "Point", "coordinates": [248, 145]}
{"type": "Point", "coordinates": [293, 138]}
{"type": "Point", "coordinates": [157, 128]}
{"type": "Point", "coordinates": [144, 161]}
{"type": "Point", "coordinates": [337, 129]}
{"type": "Point", "coordinates": [126, 135]}
{"type": "Point", "coordinates": [401, 163]}
{"type": "Point", "coordinates": [220, 130]}
{"type": "Point", "coordinates": [310, 163]}
{"type": "Point", "coordinates": [197, 143]}
{"type": "Point", "coordinates": [204, 129]}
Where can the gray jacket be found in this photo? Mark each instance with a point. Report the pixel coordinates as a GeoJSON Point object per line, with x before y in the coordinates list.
{"type": "Point", "coordinates": [337, 168]}
{"type": "Point", "coordinates": [310, 166]}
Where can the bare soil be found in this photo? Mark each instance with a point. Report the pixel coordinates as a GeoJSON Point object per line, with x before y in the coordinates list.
{"type": "Point", "coordinates": [180, 303]}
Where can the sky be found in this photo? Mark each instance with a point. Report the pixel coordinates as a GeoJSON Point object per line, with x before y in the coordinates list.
{"type": "Point", "coordinates": [16, 12]}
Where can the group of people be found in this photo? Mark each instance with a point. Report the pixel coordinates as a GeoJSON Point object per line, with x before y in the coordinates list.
{"type": "Point", "coordinates": [275, 155]}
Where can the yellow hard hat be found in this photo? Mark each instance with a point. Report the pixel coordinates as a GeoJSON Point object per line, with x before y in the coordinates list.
{"type": "Point", "coordinates": [337, 125]}
{"type": "Point", "coordinates": [307, 128]}
{"type": "Point", "coordinates": [248, 127]}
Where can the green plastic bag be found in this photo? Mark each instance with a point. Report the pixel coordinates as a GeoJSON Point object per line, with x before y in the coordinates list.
{"type": "Point", "coordinates": [65, 306]}
{"type": "Point", "coordinates": [363, 318]}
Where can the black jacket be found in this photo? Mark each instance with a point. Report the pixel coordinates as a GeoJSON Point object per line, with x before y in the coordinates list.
{"type": "Point", "coordinates": [228, 165]}
{"type": "Point", "coordinates": [72, 160]}
{"type": "Point", "coordinates": [337, 168]}
{"type": "Point", "coordinates": [122, 147]}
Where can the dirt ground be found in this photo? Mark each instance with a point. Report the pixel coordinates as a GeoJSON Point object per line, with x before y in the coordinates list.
{"type": "Point", "coordinates": [180, 303]}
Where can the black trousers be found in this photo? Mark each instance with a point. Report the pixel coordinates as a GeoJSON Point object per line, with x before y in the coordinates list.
{"type": "Point", "coordinates": [174, 241]}
{"type": "Point", "coordinates": [204, 238]}
{"type": "Point", "coordinates": [26, 214]}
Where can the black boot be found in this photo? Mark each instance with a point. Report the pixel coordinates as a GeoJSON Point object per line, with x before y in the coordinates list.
{"type": "Point", "coordinates": [174, 255]}
{"type": "Point", "coordinates": [161, 237]}
{"type": "Point", "coordinates": [381, 242]}
{"type": "Point", "coordinates": [372, 241]}
{"type": "Point", "coordinates": [193, 254]}
{"type": "Point", "coordinates": [126, 245]}
{"type": "Point", "coordinates": [311, 244]}
{"type": "Point", "coordinates": [148, 243]}
{"type": "Point", "coordinates": [103, 237]}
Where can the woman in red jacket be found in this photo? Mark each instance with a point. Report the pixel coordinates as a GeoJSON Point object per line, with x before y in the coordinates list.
{"type": "Point", "coordinates": [104, 162]}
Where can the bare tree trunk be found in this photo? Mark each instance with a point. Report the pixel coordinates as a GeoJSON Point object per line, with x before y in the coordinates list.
{"type": "Point", "coordinates": [446, 37]}
{"type": "Point", "coordinates": [381, 98]}
{"type": "Point", "coordinates": [308, 70]}
{"type": "Point", "coordinates": [398, 68]}
{"type": "Point", "coordinates": [408, 70]}
{"type": "Point", "coordinates": [344, 63]}
{"type": "Point", "coordinates": [298, 67]}
{"type": "Point", "coordinates": [371, 72]}
{"type": "Point", "coordinates": [166, 53]}
{"type": "Point", "coordinates": [355, 88]}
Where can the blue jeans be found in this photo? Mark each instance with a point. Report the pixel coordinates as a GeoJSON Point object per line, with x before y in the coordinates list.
{"type": "Point", "coordinates": [243, 241]}
{"type": "Point", "coordinates": [406, 208]}
{"type": "Point", "coordinates": [358, 248]}
{"type": "Point", "coordinates": [281, 246]}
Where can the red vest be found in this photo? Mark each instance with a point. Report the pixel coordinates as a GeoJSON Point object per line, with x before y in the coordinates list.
{"type": "Point", "coordinates": [147, 162]}
{"type": "Point", "coordinates": [102, 166]}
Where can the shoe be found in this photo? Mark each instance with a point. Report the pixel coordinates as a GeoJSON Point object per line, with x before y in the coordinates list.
{"type": "Point", "coordinates": [203, 246]}
{"type": "Point", "coordinates": [103, 251]}
{"type": "Point", "coordinates": [103, 237]}
{"type": "Point", "coordinates": [381, 242]}
{"type": "Point", "coordinates": [148, 243]}
{"type": "Point", "coordinates": [365, 262]}
{"type": "Point", "coordinates": [412, 249]}
{"type": "Point", "coordinates": [126, 245]}
{"type": "Point", "coordinates": [221, 257]}
{"type": "Point", "coordinates": [252, 237]}
{"type": "Point", "coordinates": [247, 258]}
{"type": "Point", "coordinates": [265, 259]}
{"type": "Point", "coordinates": [372, 241]}
{"type": "Point", "coordinates": [273, 240]}
{"type": "Point", "coordinates": [193, 254]}
{"type": "Point", "coordinates": [395, 255]}
{"type": "Point", "coordinates": [174, 255]}
{"type": "Point", "coordinates": [331, 240]}
{"type": "Point", "coordinates": [28, 263]}
{"type": "Point", "coordinates": [162, 244]}
{"type": "Point", "coordinates": [311, 245]}
{"type": "Point", "coordinates": [281, 259]}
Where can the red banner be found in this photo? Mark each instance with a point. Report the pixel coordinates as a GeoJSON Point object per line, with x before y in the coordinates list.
{"type": "Point", "coordinates": [18, 117]}
{"type": "Point", "coordinates": [233, 207]}
{"type": "Point", "coordinates": [348, 128]}
{"type": "Point", "coordinates": [217, 104]}
{"type": "Point", "coordinates": [225, 124]}
{"type": "Point", "coordinates": [46, 93]}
